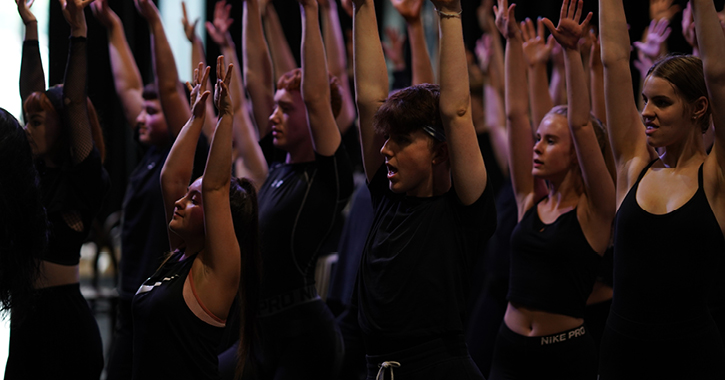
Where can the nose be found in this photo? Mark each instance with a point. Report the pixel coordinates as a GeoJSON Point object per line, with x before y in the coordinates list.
{"type": "Point", "coordinates": [274, 117]}
{"type": "Point", "coordinates": [385, 149]}
{"type": "Point", "coordinates": [141, 117]}
{"type": "Point", "coordinates": [537, 146]}
{"type": "Point", "coordinates": [648, 111]}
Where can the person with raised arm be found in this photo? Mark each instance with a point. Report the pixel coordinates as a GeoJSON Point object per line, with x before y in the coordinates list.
{"type": "Point", "coordinates": [249, 162]}
{"type": "Point", "coordinates": [668, 237]}
{"type": "Point", "coordinates": [565, 199]}
{"type": "Point", "coordinates": [434, 208]}
{"type": "Point", "coordinates": [56, 326]}
{"type": "Point", "coordinates": [143, 227]}
{"type": "Point", "coordinates": [180, 312]}
{"type": "Point", "coordinates": [309, 183]}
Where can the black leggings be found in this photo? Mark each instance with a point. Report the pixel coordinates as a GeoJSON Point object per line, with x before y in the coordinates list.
{"type": "Point", "coordinates": [58, 339]}
{"type": "Point", "coordinates": [442, 358]}
{"type": "Point", "coordinates": [567, 355]}
{"type": "Point", "coordinates": [687, 350]}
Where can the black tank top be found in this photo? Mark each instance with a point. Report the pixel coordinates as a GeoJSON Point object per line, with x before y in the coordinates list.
{"type": "Point", "coordinates": [553, 267]}
{"type": "Point", "coordinates": [664, 265]}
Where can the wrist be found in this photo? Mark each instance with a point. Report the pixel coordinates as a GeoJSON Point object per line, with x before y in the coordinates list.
{"type": "Point", "coordinates": [28, 22]}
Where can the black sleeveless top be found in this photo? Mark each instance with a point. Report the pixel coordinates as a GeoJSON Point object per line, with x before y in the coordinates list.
{"type": "Point", "coordinates": [664, 265]}
{"type": "Point", "coordinates": [169, 340]}
{"type": "Point", "coordinates": [553, 267]}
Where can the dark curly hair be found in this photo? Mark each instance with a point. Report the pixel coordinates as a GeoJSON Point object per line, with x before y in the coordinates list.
{"type": "Point", "coordinates": [410, 109]}
{"type": "Point", "coordinates": [23, 225]}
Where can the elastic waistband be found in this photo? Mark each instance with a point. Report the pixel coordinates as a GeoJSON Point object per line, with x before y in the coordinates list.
{"type": "Point", "coordinates": [285, 301]}
{"type": "Point", "coordinates": [547, 340]}
{"type": "Point", "coordinates": [413, 358]}
{"type": "Point", "coordinates": [699, 324]}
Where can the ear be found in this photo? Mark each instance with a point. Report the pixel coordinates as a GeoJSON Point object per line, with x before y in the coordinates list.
{"type": "Point", "coordinates": [440, 153]}
{"type": "Point", "coordinates": [699, 107]}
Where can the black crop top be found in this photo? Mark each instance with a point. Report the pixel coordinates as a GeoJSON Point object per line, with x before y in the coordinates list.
{"type": "Point", "coordinates": [553, 267]}
{"type": "Point", "coordinates": [80, 188]}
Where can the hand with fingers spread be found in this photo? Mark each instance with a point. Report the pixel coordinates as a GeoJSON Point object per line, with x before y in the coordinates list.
{"type": "Point", "coordinates": [505, 19]}
{"type": "Point", "coordinates": [189, 27]}
{"type": "Point", "coordinates": [222, 99]}
{"type": "Point", "coordinates": [642, 63]}
{"type": "Point", "coordinates": [569, 31]}
{"type": "Point", "coordinates": [663, 9]}
{"type": "Point", "coordinates": [409, 9]}
{"type": "Point", "coordinates": [394, 48]}
{"type": "Point", "coordinates": [219, 28]}
{"type": "Point", "coordinates": [657, 34]}
{"type": "Point", "coordinates": [537, 49]}
{"type": "Point", "coordinates": [197, 90]}
{"type": "Point", "coordinates": [24, 11]}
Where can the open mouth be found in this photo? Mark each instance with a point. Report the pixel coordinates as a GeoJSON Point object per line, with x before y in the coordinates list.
{"type": "Point", "coordinates": [392, 170]}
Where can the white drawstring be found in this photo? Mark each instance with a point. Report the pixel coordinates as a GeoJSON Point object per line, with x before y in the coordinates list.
{"type": "Point", "coordinates": [383, 366]}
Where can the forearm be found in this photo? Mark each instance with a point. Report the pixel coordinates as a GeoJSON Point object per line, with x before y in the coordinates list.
{"type": "Point", "coordinates": [245, 140]}
{"type": "Point", "coordinates": [126, 76]}
{"type": "Point", "coordinates": [577, 90]}
{"type": "Point", "coordinates": [74, 98]}
{"type": "Point", "coordinates": [337, 62]}
{"type": "Point", "coordinates": [32, 77]}
{"type": "Point", "coordinates": [539, 96]}
{"type": "Point", "coordinates": [282, 58]}
{"type": "Point", "coordinates": [217, 173]}
{"type": "Point", "coordinates": [257, 66]}
{"type": "Point", "coordinates": [420, 58]}
{"type": "Point", "coordinates": [179, 164]}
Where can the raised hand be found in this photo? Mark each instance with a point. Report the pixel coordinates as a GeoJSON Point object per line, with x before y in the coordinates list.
{"type": "Point", "coordinates": [688, 26]}
{"type": "Point", "coordinates": [147, 9]}
{"type": "Point", "coordinates": [662, 9]}
{"type": "Point", "coordinates": [222, 99]}
{"type": "Point", "coordinates": [219, 28]}
{"type": "Point", "coordinates": [409, 9]}
{"type": "Point", "coordinates": [393, 48]}
{"type": "Point", "coordinates": [73, 12]}
{"type": "Point", "coordinates": [505, 19]}
{"type": "Point", "coordinates": [103, 13]}
{"type": "Point", "coordinates": [657, 34]}
{"type": "Point", "coordinates": [537, 49]}
{"type": "Point", "coordinates": [189, 28]}
{"type": "Point", "coordinates": [569, 31]}
{"type": "Point", "coordinates": [24, 10]}
{"type": "Point", "coordinates": [483, 13]}
{"type": "Point", "coordinates": [197, 90]}
{"type": "Point", "coordinates": [484, 52]}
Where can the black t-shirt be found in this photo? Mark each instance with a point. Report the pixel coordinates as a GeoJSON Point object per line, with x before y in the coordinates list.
{"type": "Point", "coordinates": [414, 274]}
{"type": "Point", "coordinates": [298, 206]}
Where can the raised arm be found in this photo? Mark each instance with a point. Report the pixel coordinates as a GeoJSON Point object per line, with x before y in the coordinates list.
{"type": "Point", "coordinates": [222, 256]}
{"type": "Point", "coordinates": [198, 56]}
{"type": "Point", "coordinates": [32, 77]}
{"type": "Point", "coordinates": [171, 91]}
{"type": "Point", "coordinates": [711, 41]}
{"type": "Point", "coordinates": [316, 83]}
{"type": "Point", "coordinates": [468, 171]}
{"type": "Point", "coordinates": [537, 51]}
{"type": "Point", "coordinates": [253, 164]}
{"type": "Point", "coordinates": [598, 184]}
{"type": "Point", "coordinates": [282, 57]}
{"type": "Point", "coordinates": [177, 170]}
{"type": "Point", "coordinates": [371, 81]}
{"type": "Point", "coordinates": [337, 60]}
{"type": "Point", "coordinates": [422, 69]}
{"type": "Point", "coordinates": [520, 138]}
{"type": "Point", "coordinates": [126, 76]}
{"type": "Point", "coordinates": [74, 83]}
{"type": "Point", "coordinates": [626, 131]}
{"type": "Point", "coordinates": [258, 73]}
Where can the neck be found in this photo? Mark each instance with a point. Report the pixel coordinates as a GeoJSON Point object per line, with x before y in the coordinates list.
{"type": "Point", "coordinates": [566, 191]}
{"type": "Point", "coordinates": [298, 155]}
{"type": "Point", "coordinates": [690, 151]}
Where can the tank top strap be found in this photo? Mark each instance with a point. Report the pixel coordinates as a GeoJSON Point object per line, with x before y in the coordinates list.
{"type": "Point", "coordinates": [642, 173]}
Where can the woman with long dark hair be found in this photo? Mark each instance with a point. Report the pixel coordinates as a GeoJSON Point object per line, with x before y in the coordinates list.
{"type": "Point", "coordinates": [180, 312]}
{"type": "Point", "coordinates": [57, 327]}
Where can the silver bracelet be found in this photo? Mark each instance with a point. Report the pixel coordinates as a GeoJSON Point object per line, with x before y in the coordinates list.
{"type": "Point", "coordinates": [449, 15]}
